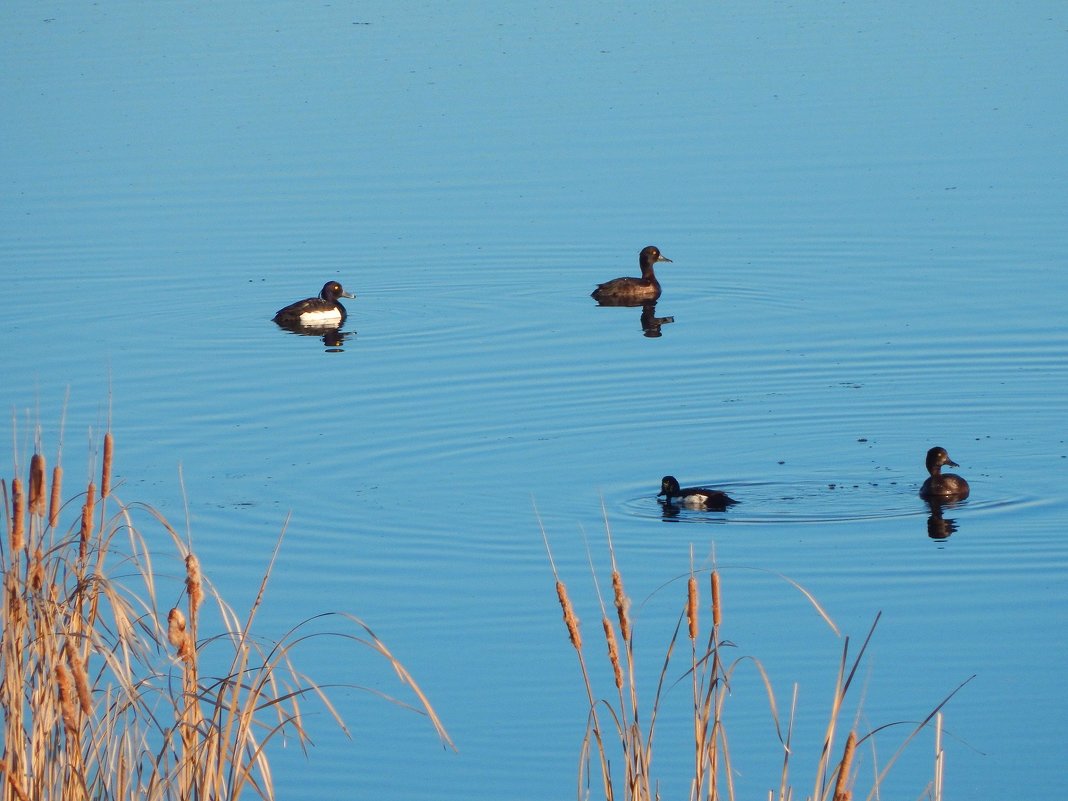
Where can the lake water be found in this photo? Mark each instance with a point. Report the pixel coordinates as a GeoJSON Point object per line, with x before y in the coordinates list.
{"type": "Point", "coordinates": [865, 207]}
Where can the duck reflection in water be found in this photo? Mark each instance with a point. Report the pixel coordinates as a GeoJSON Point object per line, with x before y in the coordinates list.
{"type": "Point", "coordinates": [939, 527]}
{"type": "Point", "coordinates": [650, 323]}
{"type": "Point", "coordinates": [333, 337]}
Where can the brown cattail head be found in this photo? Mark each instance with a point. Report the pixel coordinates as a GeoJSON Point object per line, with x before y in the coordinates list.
{"type": "Point", "coordinates": [37, 484]}
{"type": "Point", "coordinates": [193, 585]}
{"type": "Point", "coordinates": [717, 614]}
{"type": "Point", "coordinates": [87, 520]}
{"type": "Point", "coordinates": [178, 636]}
{"type": "Point", "coordinates": [81, 681]}
{"type": "Point", "coordinates": [36, 576]}
{"type": "Point", "coordinates": [105, 474]}
{"type": "Point", "coordinates": [57, 496]}
{"type": "Point", "coordinates": [570, 618]}
{"type": "Point", "coordinates": [66, 700]}
{"type": "Point", "coordinates": [622, 605]}
{"type": "Point", "coordinates": [18, 515]}
{"type": "Point", "coordinates": [840, 791]}
{"type": "Point", "coordinates": [613, 651]}
{"type": "Point", "coordinates": [691, 606]}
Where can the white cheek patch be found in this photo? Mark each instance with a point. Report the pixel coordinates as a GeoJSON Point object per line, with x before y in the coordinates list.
{"type": "Point", "coordinates": [320, 317]}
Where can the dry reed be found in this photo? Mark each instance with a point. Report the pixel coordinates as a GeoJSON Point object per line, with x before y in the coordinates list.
{"type": "Point", "coordinates": [86, 709]}
{"type": "Point", "coordinates": [709, 672]}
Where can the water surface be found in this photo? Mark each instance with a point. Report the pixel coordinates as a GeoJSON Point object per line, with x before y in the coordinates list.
{"type": "Point", "coordinates": [865, 214]}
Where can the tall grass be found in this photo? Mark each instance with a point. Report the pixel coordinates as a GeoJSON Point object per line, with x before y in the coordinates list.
{"type": "Point", "coordinates": [105, 693]}
{"type": "Point", "coordinates": [618, 747]}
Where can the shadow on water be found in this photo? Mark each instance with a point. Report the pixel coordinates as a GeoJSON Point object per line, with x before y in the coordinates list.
{"type": "Point", "coordinates": [650, 323]}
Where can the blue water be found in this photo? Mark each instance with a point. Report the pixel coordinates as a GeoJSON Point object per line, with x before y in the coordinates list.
{"type": "Point", "coordinates": [865, 211]}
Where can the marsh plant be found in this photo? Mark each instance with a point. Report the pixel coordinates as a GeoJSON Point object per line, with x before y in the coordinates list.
{"type": "Point", "coordinates": [105, 693]}
{"type": "Point", "coordinates": [618, 747]}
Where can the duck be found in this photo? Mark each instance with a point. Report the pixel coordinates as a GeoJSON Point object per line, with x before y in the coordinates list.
{"type": "Point", "coordinates": [694, 497]}
{"type": "Point", "coordinates": [634, 289]}
{"type": "Point", "coordinates": [322, 311]}
{"type": "Point", "coordinates": [943, 486]}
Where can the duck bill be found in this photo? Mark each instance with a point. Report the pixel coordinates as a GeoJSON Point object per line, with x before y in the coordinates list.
{"type": "Point", "coordinates": [348, 295]}
{"type": "Point", "coordinates": [664, 258]}
{"type": "Point", "coordinates": [951, 463]}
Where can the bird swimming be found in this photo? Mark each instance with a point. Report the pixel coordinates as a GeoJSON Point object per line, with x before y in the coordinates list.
{"type": "Point", "coordinates": [694, 497]}
{"type": "Point", "coordinates": [323, 311]}
{"type": "Point", "coordinates": [943, 486]}
{"type": "Point", "coordinates": [634, 289]}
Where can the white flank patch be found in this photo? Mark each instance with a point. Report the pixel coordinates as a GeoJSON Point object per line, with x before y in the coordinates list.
{"type": "Point", "coordinates": [697, 500]}
{"type": "Point", "coordinates": [320, 317]}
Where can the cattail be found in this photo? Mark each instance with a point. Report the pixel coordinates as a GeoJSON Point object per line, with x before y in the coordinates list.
{"type": "Point", "coordinates": [36, 575]}
{"type": "Point", "coordinates": [18, 510]}
{"type": "Point", "coordinates": [691, 606]}
{"type": "Point", "coordinates": [613, 651]}
{"type": "Point", "coordinates": [570, 619]}
{"type": "Point", "coordinates": [105, 474]}
{"type": "Point", "coordinates": [37, 484]}
{"type": "Point", "coordinates": [193, 585]}
{"type": "Point", "coordinates": [66, 700]}
{"type": "Point", "coordinates": [56, 500]}
{"type": "Point", "coordinates": [622, 605]}
{"type": "Point", "coordinates": [717, 615]}
{"type": "Point", "coordinates": [177, 635]}
{"type": "Point", "coordinates": [81, 681]}
{"type": "Point", "coordinates": [87, 520]}
{"type": "Point", "coordinates": [840, 791]}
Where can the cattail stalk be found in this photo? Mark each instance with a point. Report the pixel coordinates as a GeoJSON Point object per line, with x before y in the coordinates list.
{"type": "Point", "coordinates": [57, 500]}
{"type": "Point", "coordinates": [570, 618]}
{"type": "Point", "coordinates": [105, 474]}
{"type": "Point", "coordinates": [18, 512]}
{"type": "Point", "coordinates": [840, 791]}
{"type": "Point", "coordinates": [717, 614]}
{"type": "Point", "coordinates": [37, 484]}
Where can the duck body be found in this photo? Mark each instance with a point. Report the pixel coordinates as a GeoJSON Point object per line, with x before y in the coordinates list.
{"type": "Point", "coordinates": [324, 311]}
{"type": "Point", "coordinates": [693, 497]}
{"type": "Point", "coordinates": [941, 486]}
{"type": "Point", "coordinates": [636, 290]}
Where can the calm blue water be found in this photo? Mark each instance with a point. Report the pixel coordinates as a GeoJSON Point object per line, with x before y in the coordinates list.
{"type": "Point", "coordinates": [865, 209]}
